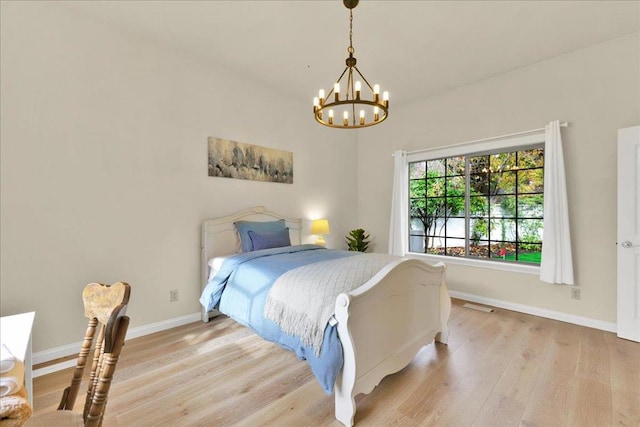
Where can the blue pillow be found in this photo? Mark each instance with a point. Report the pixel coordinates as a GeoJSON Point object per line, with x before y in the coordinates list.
{"type": "Point", "coordinates": [275, 239]}
{"type": "Point", "coordinates": [244, 227]}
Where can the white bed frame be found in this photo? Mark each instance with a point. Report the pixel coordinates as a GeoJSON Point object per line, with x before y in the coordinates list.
{"type": "Point", "coordinates": [382, 324]}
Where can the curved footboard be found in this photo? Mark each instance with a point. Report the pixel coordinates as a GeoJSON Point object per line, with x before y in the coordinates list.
{"type": "Point", "coordinates": [384, 323]}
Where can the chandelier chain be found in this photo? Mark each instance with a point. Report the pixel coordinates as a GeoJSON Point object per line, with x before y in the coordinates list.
{"type": "Point", "coordinates": [351, 49]}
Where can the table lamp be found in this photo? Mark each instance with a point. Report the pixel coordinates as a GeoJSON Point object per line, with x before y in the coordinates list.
{"type": "Point", "coordinates": [320, 227]}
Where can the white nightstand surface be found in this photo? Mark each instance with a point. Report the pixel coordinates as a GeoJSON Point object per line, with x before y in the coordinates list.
{"type": "Point", "coordinates": [15, 333]}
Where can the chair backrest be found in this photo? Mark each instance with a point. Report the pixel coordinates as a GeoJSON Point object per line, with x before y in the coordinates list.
{"type": "Point", "coordinates": [105, 306]}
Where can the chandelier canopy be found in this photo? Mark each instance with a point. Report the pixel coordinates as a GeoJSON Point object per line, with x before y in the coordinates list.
{"type": "Point", "coordinates": [355, 109]}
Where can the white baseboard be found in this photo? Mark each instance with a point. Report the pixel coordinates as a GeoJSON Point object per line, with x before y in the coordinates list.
{"type": "Point", "coordinates": [53, 368]}
{"type": "Point", "coordinates": [536, 311]}
{"type": "Point", "coordinates": [71, 349]}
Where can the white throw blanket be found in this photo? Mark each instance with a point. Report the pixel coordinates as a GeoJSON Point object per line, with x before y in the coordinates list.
{"type": "Point", "coordinates": [302, 300]}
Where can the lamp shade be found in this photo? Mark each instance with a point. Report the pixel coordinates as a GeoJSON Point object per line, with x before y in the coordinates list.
{"type": "Point", "coordinates": [320, 226]}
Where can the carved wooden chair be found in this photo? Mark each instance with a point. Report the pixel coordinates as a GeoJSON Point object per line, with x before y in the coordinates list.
{"type": "Point", "coordinates": [105, 306]}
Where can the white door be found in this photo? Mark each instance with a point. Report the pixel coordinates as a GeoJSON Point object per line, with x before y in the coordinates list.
{"type": "Point", "coordinates": [629, 233]}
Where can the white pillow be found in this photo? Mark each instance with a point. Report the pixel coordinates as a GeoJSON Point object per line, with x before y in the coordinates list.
{"type": "Point", "coordinates": [215, 264]}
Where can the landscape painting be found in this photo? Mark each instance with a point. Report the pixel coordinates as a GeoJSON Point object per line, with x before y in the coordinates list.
{"type": "Point", "coordinates": [231, 159]}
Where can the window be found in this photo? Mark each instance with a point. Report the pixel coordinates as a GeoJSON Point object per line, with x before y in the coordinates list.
{"type": "Point", "coordinates": [483, 205]}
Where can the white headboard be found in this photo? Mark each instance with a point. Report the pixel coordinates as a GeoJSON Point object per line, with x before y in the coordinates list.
{"type": "Point", "coordinates": [219, 235]}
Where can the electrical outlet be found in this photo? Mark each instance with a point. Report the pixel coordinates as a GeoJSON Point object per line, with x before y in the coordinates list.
{"type": "Point", "coordinates": [173, 295]}
{"type": "Point", "coordinates": [575, 293]}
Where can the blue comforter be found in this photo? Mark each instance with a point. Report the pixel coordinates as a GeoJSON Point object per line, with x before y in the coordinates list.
{"type": "Point", "coordinates": [240, 290]}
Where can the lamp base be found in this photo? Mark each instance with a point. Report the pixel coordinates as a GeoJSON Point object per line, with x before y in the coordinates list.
{"type": "Point", "coordinates": [321, 241]}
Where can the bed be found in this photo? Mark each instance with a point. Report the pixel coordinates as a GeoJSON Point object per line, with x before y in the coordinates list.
{"type": "Point", "coordinates": [375, 329]}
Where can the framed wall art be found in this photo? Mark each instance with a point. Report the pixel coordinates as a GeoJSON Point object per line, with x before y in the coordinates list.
{"type": "Point", "coordinates": [231, 159]}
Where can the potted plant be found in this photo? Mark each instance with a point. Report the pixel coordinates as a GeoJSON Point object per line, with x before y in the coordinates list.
{"type": "Point", "coordinates": [357, 240]}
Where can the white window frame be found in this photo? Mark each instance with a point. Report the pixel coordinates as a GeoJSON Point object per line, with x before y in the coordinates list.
{"type": "Point", "coordinates": [467, 149]}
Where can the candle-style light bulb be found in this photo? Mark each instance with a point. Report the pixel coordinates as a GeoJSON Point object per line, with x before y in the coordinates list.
{"type": "Point", "coordinates": [316, 102]}
{"type": "Point", "coordinates": [336, 91]}
{"type": "Point", "coordinates": [376, 114]}
{"type": "Point", "coordinates": [361, 117]}
{"type": "Point", "coordinates": [330, 117]}
{"type": "Point", "coordinates": [385, 98]}
{"type": "Point", "coordinates": [345, 119]}
{"type": "Point", "coordinates": [321, 95]}
{"type": "Point", "coordinates": [376, 93]}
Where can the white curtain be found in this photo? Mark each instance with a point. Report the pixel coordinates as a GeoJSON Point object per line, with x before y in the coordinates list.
{"type": "Point", "coordinates": [398, 228]}
{"type": "Point", "coordinates": [556, 265]}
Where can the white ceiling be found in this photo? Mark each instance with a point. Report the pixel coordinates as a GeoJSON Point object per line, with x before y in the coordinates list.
{"type": "Point", "coordinates": [414, 49]}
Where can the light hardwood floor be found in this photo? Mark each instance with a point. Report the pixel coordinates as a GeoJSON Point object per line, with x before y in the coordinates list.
{"type": "Point", "coordinates": [499, 369]}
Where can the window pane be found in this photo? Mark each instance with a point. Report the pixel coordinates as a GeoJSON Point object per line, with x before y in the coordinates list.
{"type": "Point", "coordinates": [503, 183]}
{"type": "Point", "coordinates": [478, 229]}
{"type": "Point", "coordinates": [502, 162]}
{"type": "Point", "coordinates": [503, 230]}
{"type": "Point", "coordinates": [416, 227]}
{"type": "Point", "coordinates": [506, 251]}
{"type": "Point", "coordinates": [479, 249]}
{"type": "Point", "coordinates": [455, 166]}
{"type": "Point", "coordinates": [417, 170]}
{"type": "Point", "coordinates": [417, 208]}
{"type": "Point", "coordinates": [417, 188]}
{"type": "Point", "coordinates": [531, 206]}
{"type": "Point", "coordinates": [437, 229]}
{"type": "Point", "coordinates": [455, 247]}
{"type": "Point", "coordinates": [455, 206]}
{"type": "Point", "coordinates": [479, 183]}
{"type": "Point", "coordinates": [530, 181]}
{"type": "Point", "coordinates": [503, 206]}
{"type": "Point", "coordinates": [455, 227]}
{"type": "Point", "coordinates": [531, 158]}
{"type": "Point", "coordinates": [435, 243]}
{"type": "Point", "coordinates": [435, 207]}
{"type": "Point", "coordinates": [435, 167]}
{"type": "Point", "coordinates": [432, 224]}
{"type": "Point", "coordinates": [530, 230]}
{"type": "Point", "coordinates": [456, 186]}
{"type": "Point", "coordinates": [435, 251]}
{"type": "Point", "coordinates": [479, 164]}
{"type": "Point", "coordinates": [529, 252]}
{"type": "Point", "coordinates": [416, 244]}
{"type": "Point", "coordinates": [435, 187]}
{"type": "Point", "coordinates": [479, 206]}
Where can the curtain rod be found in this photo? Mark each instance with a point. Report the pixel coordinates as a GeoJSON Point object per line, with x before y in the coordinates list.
{"type": "Point", "coordinates": [562, 125]}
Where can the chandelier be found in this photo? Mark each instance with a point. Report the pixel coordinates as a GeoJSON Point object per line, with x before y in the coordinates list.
{"type": "Point", "coordinates": [353, 109]}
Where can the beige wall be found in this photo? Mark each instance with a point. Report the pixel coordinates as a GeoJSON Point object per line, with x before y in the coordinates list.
{"type": "Point", "coordinates": [104, 166]}
{"type": "Point", "coordinates": [597, 91]}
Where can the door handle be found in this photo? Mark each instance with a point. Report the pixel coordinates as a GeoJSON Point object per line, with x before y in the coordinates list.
{"type": "Point", "coordinates": [628, 245]}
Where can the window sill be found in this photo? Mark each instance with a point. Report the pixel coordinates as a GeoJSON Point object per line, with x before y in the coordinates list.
{"type": "Point", "coordinates": [492, 265]}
